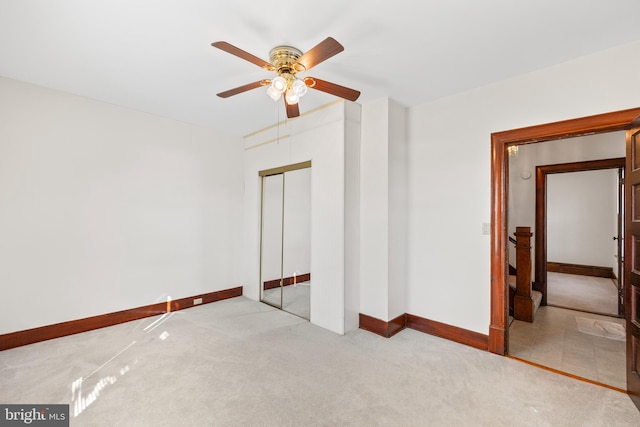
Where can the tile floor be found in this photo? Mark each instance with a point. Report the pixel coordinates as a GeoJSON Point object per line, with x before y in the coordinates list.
{"type": "Point", "coordinates": [554, 340]}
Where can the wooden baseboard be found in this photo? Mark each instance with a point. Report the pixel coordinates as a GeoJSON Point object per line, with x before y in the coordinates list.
{"type": "Point", "coordinates": [286, 281]}
{"type": "Point", "coordinates": [381, 327]}
{"type": "Point", "coordinates": [579, 269]}
{"type": "Point", "coordinates": [43, 333]}
{"type": "Point", "coordinates": [431, 327]}
{"type": "Point", "coordinates": [452, 333]}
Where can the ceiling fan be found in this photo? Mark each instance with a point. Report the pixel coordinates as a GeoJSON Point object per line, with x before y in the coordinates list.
{"type": "Point", "coordinates": [286, 62]}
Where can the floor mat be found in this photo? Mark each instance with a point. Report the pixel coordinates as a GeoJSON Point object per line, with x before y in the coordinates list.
{"type": "Point", "coordinates": [601, 328]}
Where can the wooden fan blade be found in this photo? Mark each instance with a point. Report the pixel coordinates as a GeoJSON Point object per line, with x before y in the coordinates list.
{"type": "Point", "coordinates": [334, 89]}
{"type": "Point", "coordinates": [292, 109]}
{"type": "Point", "coordinates": [241, 89]}
{"type": "Point", "coordinates": [321, 52]}
{"type": "Point", "coordinates": [229, 48]}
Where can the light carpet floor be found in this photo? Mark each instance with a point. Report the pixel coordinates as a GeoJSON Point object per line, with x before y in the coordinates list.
{"type": "Point", "coordinates": [242, 363]}
{"type": "Point", "coordinates": [584, 293]}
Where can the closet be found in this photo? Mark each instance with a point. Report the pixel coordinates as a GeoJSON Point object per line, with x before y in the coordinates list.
{"type": "Point", "coordinates": [285, 238]}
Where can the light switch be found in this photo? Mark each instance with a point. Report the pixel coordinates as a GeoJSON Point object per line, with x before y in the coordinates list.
{"type": "Point", "coordinates": [486, 228]}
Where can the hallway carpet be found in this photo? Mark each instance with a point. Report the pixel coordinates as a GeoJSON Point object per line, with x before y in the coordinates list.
{"type": "Point", "coordinates": [242, 363]}
{"type": "Point", "coordinates": [584, 293]}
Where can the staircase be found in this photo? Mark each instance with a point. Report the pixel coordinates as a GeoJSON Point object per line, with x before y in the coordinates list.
{"type": "Point", "coordinates": [536, 296]}
{"type": "Point", "coordinates": [525, 301]}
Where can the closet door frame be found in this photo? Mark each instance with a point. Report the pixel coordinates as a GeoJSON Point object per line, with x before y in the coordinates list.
{"type": "Point", "coordinates": [281, 170]}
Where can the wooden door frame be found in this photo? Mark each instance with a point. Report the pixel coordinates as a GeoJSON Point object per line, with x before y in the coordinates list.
{"type": "Point", "coordinates": [540, 236]}
{"type": "Point", "coordinates": [500, 141]}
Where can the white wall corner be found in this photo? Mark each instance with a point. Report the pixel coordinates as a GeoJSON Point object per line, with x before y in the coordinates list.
{"type": "Point", "coordinates": [374, 200]}
{"type": "Point", "coordinates": [398, 208]}
{"type": "Point", "coordinates": [352, 217]}
{"type": "Point", "coordinates": [384, 180]}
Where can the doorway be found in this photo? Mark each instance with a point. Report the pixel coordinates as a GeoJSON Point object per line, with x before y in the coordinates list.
{"type": "Point", "coordinates": [500, 141]}
{"type": "Point", "coordinates": [591, 191]}
{"type": "Point", "coordinates": [573, 203]}
{"type": "Point", "coordinates": [285, 238]}
{"type": "Point", "coordinates": [627, 120]}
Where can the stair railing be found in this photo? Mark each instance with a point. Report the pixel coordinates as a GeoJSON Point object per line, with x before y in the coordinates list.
{"type": "Point", "coordinates": [523, 304]}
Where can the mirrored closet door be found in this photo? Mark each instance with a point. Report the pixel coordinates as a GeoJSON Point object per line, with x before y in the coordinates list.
{"type": "Point", "coordinates": [285, 250]}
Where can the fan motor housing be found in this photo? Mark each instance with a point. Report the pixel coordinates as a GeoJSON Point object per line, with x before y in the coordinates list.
{"type": "Point", "coordinates": [283, 59]}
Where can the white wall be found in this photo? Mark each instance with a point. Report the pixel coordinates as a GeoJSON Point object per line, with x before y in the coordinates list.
{"type": "Point", "coordinates": [449, 172]}
{"type": "Point", "coordinates": [104, 208]}
{"type": "Point", "coordinates": [374, 204]}
{"type": "Point", "coordinates": [324, 137]}
{"type": "Point", "coordinates": [383, 224]}
{"type": "Point", "coordinates": [352, 212]}
{"type": "Point", "coordinates": [582, 218]}
{"type": "Point", "coordinates": [398, 193]}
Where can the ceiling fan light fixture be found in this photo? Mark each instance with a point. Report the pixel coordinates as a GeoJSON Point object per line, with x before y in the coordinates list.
{"type": "Point", "coordinates": [279, 84]}
{"type": "Point", "coordinates": [292, 97]}
{"type": "Point", "coordinates": [273, 93]}
{"type": "Point", "coordinates": [286, 62]}
{"type": "Point", "coordinates": [299, 88]}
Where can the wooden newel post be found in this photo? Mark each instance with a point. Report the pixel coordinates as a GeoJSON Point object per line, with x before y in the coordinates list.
{"type": "Point", "coordinates": [523, 305]}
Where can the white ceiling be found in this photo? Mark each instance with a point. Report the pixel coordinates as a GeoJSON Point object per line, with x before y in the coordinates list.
{"type": "Point", "coordinates": [156, 55]}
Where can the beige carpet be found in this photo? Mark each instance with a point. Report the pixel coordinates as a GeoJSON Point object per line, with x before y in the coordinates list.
{"type": "Point", "coordinates": [243, 363]}
{"type": "Point", "coordinates": [583, 293]}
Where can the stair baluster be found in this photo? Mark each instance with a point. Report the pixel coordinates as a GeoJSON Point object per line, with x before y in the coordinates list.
{"type": "Point", "coordinates": [524, 306]}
